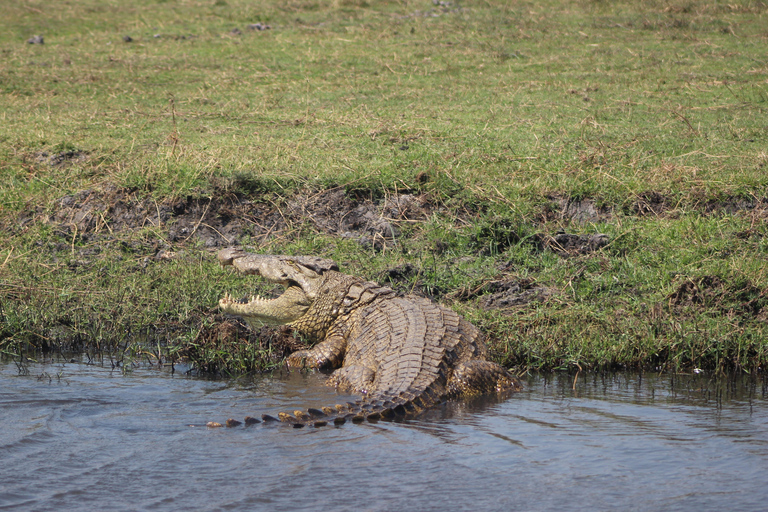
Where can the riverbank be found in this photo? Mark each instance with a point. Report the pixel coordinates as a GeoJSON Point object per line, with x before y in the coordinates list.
{"type": "Point", "coordinates": [585, 182]}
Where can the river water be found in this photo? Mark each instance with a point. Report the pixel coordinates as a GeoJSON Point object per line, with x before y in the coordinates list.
{"type": "Point", "coordinates": [75, 436]}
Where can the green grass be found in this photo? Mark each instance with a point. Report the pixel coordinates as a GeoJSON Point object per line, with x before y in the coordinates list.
{"type": "Point", "coordinates": [503, 115]}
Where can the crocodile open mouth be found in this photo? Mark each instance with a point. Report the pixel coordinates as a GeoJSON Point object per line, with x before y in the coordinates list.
{"type": "Point", "coordinates": [286, 308]}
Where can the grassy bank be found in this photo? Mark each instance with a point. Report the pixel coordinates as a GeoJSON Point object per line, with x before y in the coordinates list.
{"type": "Point", "coordinates": [468, 151]}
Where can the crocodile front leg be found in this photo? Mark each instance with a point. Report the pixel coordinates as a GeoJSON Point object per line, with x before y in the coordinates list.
{"type": "Point", "coordinates": [326, 355]}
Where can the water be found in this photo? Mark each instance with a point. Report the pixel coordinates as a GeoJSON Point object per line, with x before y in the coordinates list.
{"type": "Point", "coordinates": [85, 437]}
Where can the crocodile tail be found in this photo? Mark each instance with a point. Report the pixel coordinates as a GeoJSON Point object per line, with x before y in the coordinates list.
{"type": "Point", "coordinates": [385, 406]}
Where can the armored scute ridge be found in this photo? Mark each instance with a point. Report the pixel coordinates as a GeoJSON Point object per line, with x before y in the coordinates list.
{"type": "Point", "coordinates": [402, 354]}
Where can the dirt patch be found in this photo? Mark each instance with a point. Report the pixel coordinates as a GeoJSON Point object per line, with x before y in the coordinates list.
{"type": "Point", "coordinates": [217, 221]}
{"type": "Point", "coordinates": [509, 293]}
{"type": "Point", "coordinates": [568, 244]}
{"type": "Point", "coordinates": [729, 298]}
{"type": "Point", "coordinates": [62, 158]}
{"type": "Point", "coordinates": [580, 211]}
{"type": "Point", "coordinates": [401, 273]}
{"type": "Point", "coordinates": [650, 203]}
{"type": "Point", "coordinates": [404, 279]}
{"type": "Point", "coordinates": [224, 218]}
{"type": "Point", "coordinates": [696, 292]}
{"type": "Point", "coordinates": [500, 293]}
{"type": "Point", "coordinates": [371, 223]}
{"type": "Point", "coordinates": [733, 205]}
{"type": "Point", "coordinates": [656, 203]}
{"type": "Point", "coordinates": [504, 293]}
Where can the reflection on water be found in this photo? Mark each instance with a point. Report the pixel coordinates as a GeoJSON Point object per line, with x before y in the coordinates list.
{"type": "Point", "coordinates": [78, 437]}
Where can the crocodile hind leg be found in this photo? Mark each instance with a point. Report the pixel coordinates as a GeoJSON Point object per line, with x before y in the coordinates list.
{"type": "Point", "coordinates": [326, 355]}
{"type": "Point", "coordinates": [355, 378]}
{"type": "Point", "coordinates": [478, 376]}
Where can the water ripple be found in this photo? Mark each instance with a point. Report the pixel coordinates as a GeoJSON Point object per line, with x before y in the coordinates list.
{"type": "Point", "coordinates": [98, 439]}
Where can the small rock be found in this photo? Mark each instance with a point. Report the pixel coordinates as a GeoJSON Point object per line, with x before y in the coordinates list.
{"type": "Point", "coordinates": [35, 40]}
{"type": "Point", "coordinates": [233, 423]}
{"type": "Point", "coordinates": [162, 254]}
{"type": "Point", "coordinates": [213, 424]}
{"type": "Point", "coordinates": [236, 31]}
{"type": "Point", "coordinates": [258, 26]}
{"type": "Point", "coordinates": [516, 296]}
{"type": "Point", "coordinates": [128, 39]}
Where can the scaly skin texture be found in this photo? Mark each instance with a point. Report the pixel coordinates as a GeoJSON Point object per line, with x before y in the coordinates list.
{"type": "Point", "coordinates": [402, 354]}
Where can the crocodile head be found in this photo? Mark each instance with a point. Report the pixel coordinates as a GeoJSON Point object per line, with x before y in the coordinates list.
{"type": "Point", "coordinates": [301, 276]}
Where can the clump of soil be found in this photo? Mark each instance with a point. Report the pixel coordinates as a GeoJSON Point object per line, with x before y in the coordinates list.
{"type": "Point", "coordinates": [505, 293]}
{"type": "Point", "coordinates": [691, 293]}
{"type": "Point", "coordinates": [650, 203]}
{"type": "Point", "coordinates": [731, 205]}
{"type": "Point", "coordinates": [71, 156]}
{"type": "Point", "coordinates": [401, 279]}
{"type": "Point", "coordinates": [711, 292]}
{"type": "Point", "coordinates": [581, 211]}
{"type": "Point", "coordinates": [567, 244]}
{"type": "Point", "coordinates": [508, 293]}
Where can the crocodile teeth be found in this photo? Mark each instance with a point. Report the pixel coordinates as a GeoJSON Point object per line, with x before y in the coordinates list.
{"type": "Point", "coordinates": [244, 300]}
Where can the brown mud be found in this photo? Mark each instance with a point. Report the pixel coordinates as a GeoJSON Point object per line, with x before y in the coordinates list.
{"type": "Point", "coordinates": [225, 218]}
{"type": "Point", "coordinates": [733, 300]}
{"type": "Point", "coordinates": [652, 203]}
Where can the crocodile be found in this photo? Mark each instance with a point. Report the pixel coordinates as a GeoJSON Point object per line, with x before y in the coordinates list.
{"type": "Point", "coordinates": [401, 354]}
